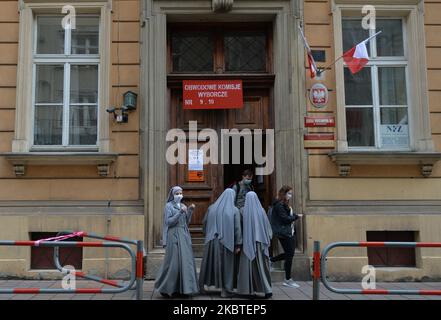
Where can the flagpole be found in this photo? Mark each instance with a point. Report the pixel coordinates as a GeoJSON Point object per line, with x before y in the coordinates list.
{"type": "Point", "coordinates": [373, 36]}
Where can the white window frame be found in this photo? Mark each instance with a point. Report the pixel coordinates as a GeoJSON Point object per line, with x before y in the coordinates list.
{"type": "Point", "coordinates": [412, 13]}
{"type": "Point", "coordinates": [67, 60]}
{"type": "Point", "coordinates": [24, 122]}
{"type": "Point", "coordinates": [374, 63]}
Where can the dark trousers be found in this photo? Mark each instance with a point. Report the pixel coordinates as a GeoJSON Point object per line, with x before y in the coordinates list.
{"type": "Point", "coordinates": [289, 246]}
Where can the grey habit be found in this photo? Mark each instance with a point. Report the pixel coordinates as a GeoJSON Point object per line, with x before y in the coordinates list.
{"type": "Point", "coordinates": [178, 271]}
{"type": "Point", "coordinates": [254, 274]}
{"type": "Point", "coordinates": [222, 234]}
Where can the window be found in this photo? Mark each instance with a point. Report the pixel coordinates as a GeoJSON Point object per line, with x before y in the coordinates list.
{"type": "Point", "coordinates": [66, 66]}
{"type": "Point", "coordinates": [192, 52]}
{"type": "Point", "coordinates": [391, 257]}
{"type": "Point", "coordinates": [216, 50]}
{"type": "Point", "coordinates": [42, 258]}
{"type": "Point", "coordinates": [376, 98]}
{"type": "Point", "coordinates": [245, 51]}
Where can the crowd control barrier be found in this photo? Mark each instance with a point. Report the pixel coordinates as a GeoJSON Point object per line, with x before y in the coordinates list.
{"type": "Point", "coordinates": [136, 276]}
{"type": "Point", "coordinates": [320, 268]}
{"type": "Point", "coordinates": [139, 257]}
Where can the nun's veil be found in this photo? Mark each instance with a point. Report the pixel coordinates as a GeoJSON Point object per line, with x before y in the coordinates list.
{"type": "Point", "coordinates": [172, 192]}
{"type": "Point", "coordinates": [256, 226]}
{"type": "Point", "coordinates": [220, 219]}
{"type": "Point", "coordinates": [170, 197]}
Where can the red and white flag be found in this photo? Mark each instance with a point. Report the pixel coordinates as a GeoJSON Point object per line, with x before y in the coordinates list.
{"type": "Point", "coordinates": [313, 70]}
{"type": "Point", "coordinates": [357, 57]}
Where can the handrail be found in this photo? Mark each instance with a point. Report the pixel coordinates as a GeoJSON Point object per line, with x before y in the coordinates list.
{"type": "Point", "coordinates": [136, 276]}
{"type": "Point", "coordinates": [93, 236]}
{"type": "Point", "coordinates": [73, 244]}
{"type": "Point", "coordinates": [328, 248]}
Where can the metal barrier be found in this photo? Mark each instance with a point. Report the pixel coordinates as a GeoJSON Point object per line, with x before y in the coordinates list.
{"type": "Point", "coordinates": [320, 267]}
{"type": "Point", "coordinates": [136, 275]}
{"type": "Point", "coordinates": [111, 238]}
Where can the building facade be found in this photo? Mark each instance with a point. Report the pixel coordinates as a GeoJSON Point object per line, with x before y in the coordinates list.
{"type": "Point", "coordinates": [70, 161]}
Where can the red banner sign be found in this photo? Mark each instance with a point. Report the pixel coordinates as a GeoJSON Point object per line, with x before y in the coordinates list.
{"type": "Point", "coordinates": [319, 121]}
{"type": "Point", "coordinates": [319, 141]}
{"type": "Point", "coordinates": [319, 136]}
{"type": "Point", "coordinates": [212, 94]}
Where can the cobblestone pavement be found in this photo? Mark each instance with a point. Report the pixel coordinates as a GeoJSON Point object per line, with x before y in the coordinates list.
{"type": "Point", "coordinates": [279, 291]}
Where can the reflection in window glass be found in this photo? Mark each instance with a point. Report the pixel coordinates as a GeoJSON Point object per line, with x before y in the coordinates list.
{"type": "Point", "coordinates": [83, 125]}
{"type": "Point", "coordinates": [85, 36]}
{"type": "Point", "coordinates": [50, 38]}
{"type": "Point", "coordinates": [390, 40]}
{"type": "Point", "coordinates": [392, 83]}
{"type": "Point", "coordinates": [358, 87]}
{"type": "Point", "coordinates": [49, 84]}
{"type": "Point", "coordinates": [394, 116]}
{"type": "Point", "coordinates": [245, 51]}
{"type": "Point", "coordinates": [192, 52]}
{"type": "Point", "coordinates": [48, 125]}
{"type": "Point", "coordinates": [360, 127]}
{"type": "Point", "coordinates": [353, 33]}
{"type": "Point", "coordinates": [84, 84]}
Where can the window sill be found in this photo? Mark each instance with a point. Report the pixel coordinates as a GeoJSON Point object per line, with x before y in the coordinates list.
{"type": "Point", "coordinates": [345, 160]}
{"type": "Point", "coordinates": [21, 159]}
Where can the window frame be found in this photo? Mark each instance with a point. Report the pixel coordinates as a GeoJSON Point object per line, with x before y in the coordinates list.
{"type": "Point", "coordinates": [376, 62]}
{"type": "Point", "coordinates": [24, 122]}
{"type": "Point", "coordinates": [67, 59]}
{"type": "Point", "coordinates": [412, 11]}
{"type": "Point", "coordinates": [218, 32]}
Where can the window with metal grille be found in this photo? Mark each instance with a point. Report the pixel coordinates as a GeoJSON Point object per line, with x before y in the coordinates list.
{"type": "Point", "coordinates": [192, 51]}
{"type": "Point", "coordinates": [245, 51]}
{"type": "Point", "coordinates": [391, 257]}
{"type": "Point", "coordinates": [219, 49]}
{"type": "Point", "coordinates": [42, 258]}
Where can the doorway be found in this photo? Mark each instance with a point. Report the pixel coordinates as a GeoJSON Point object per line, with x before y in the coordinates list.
{"type": "Point", "coordinates": [220, 52]}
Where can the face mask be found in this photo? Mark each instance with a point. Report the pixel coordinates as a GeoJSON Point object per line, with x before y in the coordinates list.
{"type": "Point", "coordinates": [247, 181]}
{"type": "Point", "coordinates": [288, 196]}
{"type": "Point", "coordinates": [178, 197]}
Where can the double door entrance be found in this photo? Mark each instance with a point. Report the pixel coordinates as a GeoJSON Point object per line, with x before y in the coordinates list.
{"type": "Point", "coordinates": [255, 114]}
{"type": "Point", "coordinates": [221, 52]}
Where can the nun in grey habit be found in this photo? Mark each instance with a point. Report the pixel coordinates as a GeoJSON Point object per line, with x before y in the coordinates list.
{"type": "Point", "coordinates": [177, 274]}
{"type": "Point", "coordinates": [254, 273]}
{"type": "Point", "coordinates": [223, 238]}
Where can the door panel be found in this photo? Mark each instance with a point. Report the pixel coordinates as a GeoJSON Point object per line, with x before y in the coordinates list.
{"type": "Point", "coordinates": [254, 115]}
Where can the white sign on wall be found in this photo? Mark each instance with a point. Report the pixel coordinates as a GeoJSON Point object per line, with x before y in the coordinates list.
{"type": "Point", "coordinates": [195, 160]}
{"type": "Point", "coordinates": [395, 135]}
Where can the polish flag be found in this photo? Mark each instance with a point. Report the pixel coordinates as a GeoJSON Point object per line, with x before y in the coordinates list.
{"type": "Point", "coordinates": [313, 70]}
{"type": "Point", "coordinates": [312, 66]}
{"type": "Point", "coordinates": [357, 57]}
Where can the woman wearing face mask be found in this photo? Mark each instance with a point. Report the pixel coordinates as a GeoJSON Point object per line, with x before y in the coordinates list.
{"type": "Point", "coordinates": [242, 188]}
{"type": "Point", "coordinates": [282, 219]}
{"type": "Point", "coordinates": [178, 271]}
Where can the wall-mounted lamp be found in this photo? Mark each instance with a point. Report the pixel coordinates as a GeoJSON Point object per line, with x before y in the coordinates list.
{"type": "Point", "coordinates": [129, 104]}
{"type": "Point", "coordinates": [130, 98]}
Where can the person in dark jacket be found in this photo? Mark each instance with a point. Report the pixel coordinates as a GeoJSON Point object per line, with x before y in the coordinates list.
{"type": "Point", "coordinates": [242, 188]}
{"type": "Point", "coordinates": [282, 223]}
